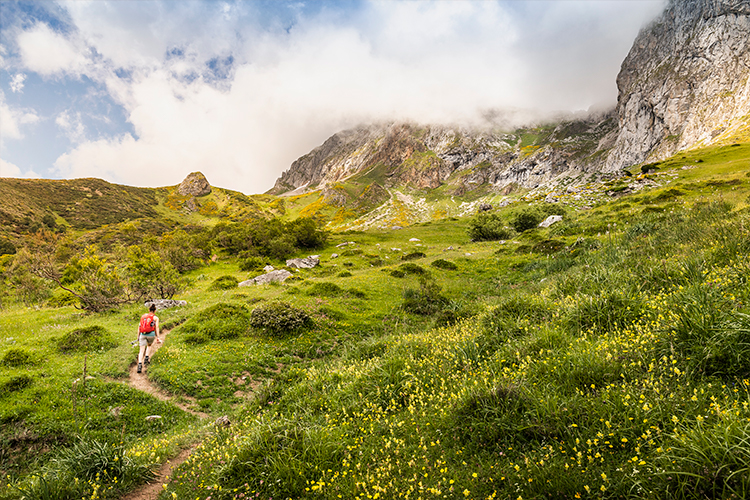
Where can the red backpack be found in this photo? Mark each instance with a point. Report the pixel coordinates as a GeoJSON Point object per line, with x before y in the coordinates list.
{"type": "Point", "coordinates": [148, 323]}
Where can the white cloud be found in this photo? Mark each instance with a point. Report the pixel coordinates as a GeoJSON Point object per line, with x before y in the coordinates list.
{"type": "Point", "coordinates": [72, 126]}
{"type": "Point", "coordinates": [16, 82]}
{"type": "Point", "coordinates": [48, 53]}
{"type": "Point", "coordinates": [13, 119]}
{"type": "Point", "coordinates": [291, 88]}
{"type": "Point", "coordinates": [8, 169]}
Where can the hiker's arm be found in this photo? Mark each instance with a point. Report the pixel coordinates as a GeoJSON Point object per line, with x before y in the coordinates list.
{"type": "Point", "coordinates": [158, 339]}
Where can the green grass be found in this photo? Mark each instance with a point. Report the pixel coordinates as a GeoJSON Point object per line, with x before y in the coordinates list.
{"type": "Point", "coordinates": [604, 357]}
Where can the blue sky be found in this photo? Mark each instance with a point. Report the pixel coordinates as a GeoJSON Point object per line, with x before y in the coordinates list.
{"type": "Point", "coordinates": [143, 92]}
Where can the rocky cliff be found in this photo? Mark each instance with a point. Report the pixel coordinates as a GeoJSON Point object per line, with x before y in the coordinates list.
{"type": "Point", "coordinates": [685, 81]}
{"type": "Point", "coordinates": [428, 157]}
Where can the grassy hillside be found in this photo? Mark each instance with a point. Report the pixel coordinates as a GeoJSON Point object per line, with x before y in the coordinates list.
{"type": "Point", "coordinates": [606, 356]}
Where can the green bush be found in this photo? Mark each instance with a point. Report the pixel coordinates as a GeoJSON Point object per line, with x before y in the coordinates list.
{"type": "Point", "coordinates": [252, 263]}
{"type": "Point", "coordinates": [279, 318]}
{"type": "Point", "coordinates": [325, 289]}
{"type": "Point", "coordinates": [344, 274]}
{"type": "Point", "coordinates": [444, 264]}
{"type": "Point", "coordinates": [86, 340]}
{"type": "Point", "coordinates": [488, 227]}
{"type": "Point", "coordinates": [425, 300]}
{"type": "Point", "coordinates": [15, 357]}
{"type": "Point", "coordinates": [526, 219]}
{"type": "Point", "coordinates": [411, 268]}
{"type": "Point", "coordinates": [397, 273]}
{"type": "Point", "coordinates": [413, 256]}
{"type": "Point", "coordinates": [225, 282]}
{"type": "Point", "coordinates": [218, 322]}
{"type": "Point", "coordinates": [15, 384]}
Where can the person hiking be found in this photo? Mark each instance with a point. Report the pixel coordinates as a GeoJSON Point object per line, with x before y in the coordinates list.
{"type": "Point", "coordinates": [148, 332]}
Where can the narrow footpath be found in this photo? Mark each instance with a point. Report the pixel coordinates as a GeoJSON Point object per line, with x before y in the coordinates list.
{"type": "Point", "coordinates": [140, 381]}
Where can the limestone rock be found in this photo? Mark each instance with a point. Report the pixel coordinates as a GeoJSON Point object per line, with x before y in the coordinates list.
{"type": "Point", "coordinates": [686, 78]}
{"type": "Point", "coordinates": [273, 276]}
{"type": "Point", "coordinates": [552, 219]}
{"type": "Point", "coordinates": [165, 303]}
{"type": "Point", "coordinates": [194, 184]}
{"type": "Point", "coordinates": [305, 263]}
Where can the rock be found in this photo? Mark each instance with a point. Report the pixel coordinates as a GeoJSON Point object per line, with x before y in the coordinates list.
{"type": "Point", "coordinates": [153, 417]}
{"type": "Point", "coordinates": [115, 412]}
{"type": "Point", "coordinates": [165, 303]}
{"type": "Point", "coordinates": [222, 421]}
{"type": "Point", "coordinates": [306, 263]}
{"type": "Point", "coordinates": [273, 276]}
{"type": "Point", "coordinates": [414, 239]}
{"type": "Point", "coordinates": [552, 219]}
{"type": "Point", "coordinates": [485, 207]}
{"type": "Point", "coordinates": [395, 249]}
{"type": "Point", "coordinates": [449, 248]}
{"type": "Point", "coordinates": [396, 228]}
{"type": "Point", "coordinates": [268, 269]}
{"type": "Point", "coordinates": [345, 244]}
{"type": "Point", "coordinates": [334, 256]}
{"type": "Point", "coordinates": [194, 184]}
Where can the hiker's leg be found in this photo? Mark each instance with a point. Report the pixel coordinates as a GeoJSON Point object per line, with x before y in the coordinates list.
{"type": "Point", "coordinates": [142, 352]}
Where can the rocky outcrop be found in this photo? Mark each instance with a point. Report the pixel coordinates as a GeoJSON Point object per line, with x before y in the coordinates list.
{"type": "Point", "coordinates": [165, 303]}
{"type": "Point", "coordinates": [305, 263]}
{"type": "Point", "coordinates": [274, 276]}
{"type": "Point", "coordinates": [685, 80]}
{"type": "Point", "coordinates": [194, 184]}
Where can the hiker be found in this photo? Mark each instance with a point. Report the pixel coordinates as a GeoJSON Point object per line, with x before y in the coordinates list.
{"type": "Point", "coordinates": [148, 331]}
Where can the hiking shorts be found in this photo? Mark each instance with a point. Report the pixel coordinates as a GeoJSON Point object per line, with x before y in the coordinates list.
{"type": "Point", "coordinates": [146, 339]}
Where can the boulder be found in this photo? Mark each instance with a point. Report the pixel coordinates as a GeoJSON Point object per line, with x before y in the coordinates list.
{"type": "Point", "coordinates": [414, 239]}
{"type": "Point", "coordinates": [552, 219]}
{"type": "Point", "coordinates": [273, 276]}
{"type": "Point", "coordinates": [194, 184]}
{"type": "Point", "coordinates": [306, 263]}
{"type": "Point", "coordinates": [165, 303]}
{"type": "Point", "coordinates": [268, 268]}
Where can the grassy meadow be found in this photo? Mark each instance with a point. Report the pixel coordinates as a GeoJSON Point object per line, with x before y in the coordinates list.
{"type": "Point", "coordinates": [607, 356]}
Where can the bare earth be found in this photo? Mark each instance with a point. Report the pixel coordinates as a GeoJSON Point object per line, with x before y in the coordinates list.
{"type": "Point", "coordinates": [141, 382]}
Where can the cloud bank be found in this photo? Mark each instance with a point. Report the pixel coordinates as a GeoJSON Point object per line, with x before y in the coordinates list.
{"type": "Point", "coordinates": [240, 90]}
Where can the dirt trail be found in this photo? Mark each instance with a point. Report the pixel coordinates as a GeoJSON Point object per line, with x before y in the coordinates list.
{"type": "Point", "coordinates": [140, 381]}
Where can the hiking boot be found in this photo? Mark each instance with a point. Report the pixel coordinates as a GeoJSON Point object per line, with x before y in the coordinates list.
{"type": "Point", "coordinates": [140, 368]}
{"type": "Point", "coordinates": [147, 361]}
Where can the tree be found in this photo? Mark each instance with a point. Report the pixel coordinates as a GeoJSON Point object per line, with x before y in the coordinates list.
{"type": "Point", "coordinates": [149, 275]}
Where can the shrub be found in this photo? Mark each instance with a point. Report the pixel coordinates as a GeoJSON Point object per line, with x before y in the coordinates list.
{"type": "Point", "coordinates": [344, 274]}
{"type": "Point", "coordinates": [15, 384]}
{"type": "Point", "coordinates": [444, 264]}
{"type": "Point", "coordinates": [397, 273]}
{"type": "Point", "coordinates": [413, 256]}
{"type": "Point", "coordinates": [16, 357]}
{"type": "Point", "coordinates": [87, 339]}
{"type": "Point", "coordinates": [218, 322]}
{"type": "Point", "coordinates": [526, 219]}
{"type": "Point", "coordinates": [252, 263]}
{"type": "Point", "coordinates": [488, 227]}
{"type": "Point", "coordinates": [424, 301]}
{"type": "Point", "coordinates": [325, 289]}
{"type": "Point", "coordinates": [413, 269]}
{"type": "Point", "coordinates": [225, 282]}
{"type": "Point", "coordinates": [279, 318]}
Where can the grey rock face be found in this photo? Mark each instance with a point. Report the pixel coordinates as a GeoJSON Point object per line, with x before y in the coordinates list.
{"type": "Point", "coordinates": [552, 219]}
{"type": "Point", "coordinates": [685, 79]}
{"type": "Point", "coordinates": [194, 184]}
{"type": "Point", "coordinates": [273, 276]}
{"type": "Point", "coordinates": [306, 263]}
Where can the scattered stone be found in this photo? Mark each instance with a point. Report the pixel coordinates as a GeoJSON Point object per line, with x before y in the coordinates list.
{"type": "Point", "coordinates": [165, 303]}
{"type": "Point", "coordinates": [115, 412]}
{"type": "Point", "coordinates": [273, 276]}
{"type": "Point", "coordinates": [194, 184]}
{"type": "Point", "coordinates": [485, 207]}
{"type": "Point", "coordinates": [468, 254]}
{"type": "Point", "coordinates": [306, 263]}
{"type": "Point", "coordinates": [268, 268]}
{"type": "Point", "coordinates": [153, 417]}
{"type": "Point", "coordinates": [223, 421]}
{"type": "Point", "coordinates": [334, 256]}
{"type": "Point", "coordinates": [552, 198]}
{"type": "Point", "coordinates": [395, 249]}
{"type": "Point", "coordinates": [449, 248]}
{"type": "Point", "coordinates": [344, 244]}
{"type": "Point", "coordinates": [552, 219]}
{"type": "Point", "coordinates": [396, 228]}
{"type": "Point", "coordinates": [414, 239]}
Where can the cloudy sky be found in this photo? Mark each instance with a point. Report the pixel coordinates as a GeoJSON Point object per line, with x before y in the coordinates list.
{"type": "Point", "coordinates": [143, 92]}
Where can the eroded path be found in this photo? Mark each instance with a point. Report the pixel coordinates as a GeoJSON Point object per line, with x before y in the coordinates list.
{"type": "Point", "coordinates": [140, 381]}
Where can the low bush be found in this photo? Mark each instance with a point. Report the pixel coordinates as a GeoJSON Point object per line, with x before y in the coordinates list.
{"type": "Point", "coordinates": [397, 273]}
{"type": "Point", "coordinates": [411, 268]}
{"type": "Point", "coordinates": [414, 256]}
{"type": "Point", "coordinates": [224, 283]}
{"type": "Point", "coordinates": [488, 227]}
{"type": "Point", "coordinates": [220, 321]}
{"type": "Point", "coordinates": [425, 300]}
{"type": "Point", "coordinates": [527, 218]}
{"type": "Point", "coordinates": [86, 340]}
{"type": "Point", "coordinates": [325, 289]}
{"type": "Point", "coordinates": [279, 319]}
{"type": "Point", "coordinates": [444, 264]}
{"type": "Point", "coordinates": [344, 274]}
{"type": "Point", "coordinates": [15, 357]}
{"type": "Point", "coordinates": [252, 263]}
{"type": "Point", "coordinates": [15, 384]}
